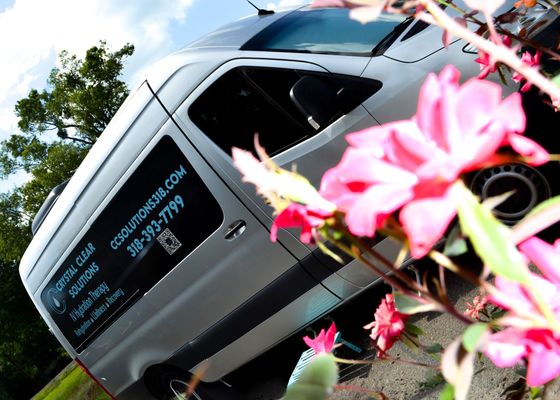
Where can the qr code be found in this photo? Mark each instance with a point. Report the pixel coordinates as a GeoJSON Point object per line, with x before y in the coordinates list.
{"type": "Point", "coordinates": [169, 241]}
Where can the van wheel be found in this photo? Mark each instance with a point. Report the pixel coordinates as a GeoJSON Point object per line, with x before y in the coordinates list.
{"type": "Point", "coordinates": [179, 387]}
{"type": "Point", "coordinates": [169, 383]}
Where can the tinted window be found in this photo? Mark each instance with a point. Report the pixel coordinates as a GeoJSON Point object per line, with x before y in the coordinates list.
{"type": "Point", "coordinates": [160, 215]}
{"type": "Point", "coordinates": [248, 101]}
{"type": "Point", "coordinates": [325, 31]}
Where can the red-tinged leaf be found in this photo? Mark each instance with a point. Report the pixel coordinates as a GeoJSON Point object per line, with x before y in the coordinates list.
{"type": "Point", "coordinates": [544, 215]}
{"type": "Point", "coordinates": [457, 367]}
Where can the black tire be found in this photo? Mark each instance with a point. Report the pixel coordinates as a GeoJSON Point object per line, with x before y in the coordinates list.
{"type": "Point", "coordinates": [166, 382]}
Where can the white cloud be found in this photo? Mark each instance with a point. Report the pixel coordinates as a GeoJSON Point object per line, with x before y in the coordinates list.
{"type": "Point", "coordinates": [37, 28]}
{"type": "Point", "coordinates": [32, 32]}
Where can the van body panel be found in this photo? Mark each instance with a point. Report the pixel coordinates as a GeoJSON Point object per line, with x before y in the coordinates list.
{"type": "Point", "coordinates": [209, 284]}
{"type": "Point", "coordinates": [203, 278]}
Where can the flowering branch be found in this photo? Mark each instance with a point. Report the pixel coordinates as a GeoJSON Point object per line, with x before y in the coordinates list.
{"type": "Point", "coordinates": [499, 52]}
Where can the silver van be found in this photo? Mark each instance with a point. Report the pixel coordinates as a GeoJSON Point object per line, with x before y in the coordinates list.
{"type": "Point", "coordinates": [156, 258]}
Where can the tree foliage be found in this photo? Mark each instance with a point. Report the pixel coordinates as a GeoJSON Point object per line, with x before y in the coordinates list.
{"type": "Point", "coordinates": [81, 97]}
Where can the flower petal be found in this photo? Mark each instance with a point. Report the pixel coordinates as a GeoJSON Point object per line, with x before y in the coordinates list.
{"type": "Point", "coordinates": [543, 365]}
{"type": "Point", "coordinates": [370, 209]}
{"type": "Point", "coordinates": [528, 148]}
{"type": "Point", "coordinates": [426, 220]}
{"type": "Point", "coordinates": [545, 256]}
{"type": "Point", "coordinates": [505, 348]}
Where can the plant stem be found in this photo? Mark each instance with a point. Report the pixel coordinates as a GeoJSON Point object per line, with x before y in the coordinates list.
{"type": "Point", "coordinates": [357, 255]}
{"type": "Point", "coordinates": [399, 273]}
{"type": "Point", "coordinates": [499, 52]}
{"type": "Point", "coordinates": [443, 260]}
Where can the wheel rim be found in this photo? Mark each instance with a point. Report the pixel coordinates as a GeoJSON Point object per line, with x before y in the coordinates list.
{"type": "Point", "coordinates": [179, 387]}
{"type": "Point", "coordinates": [529, 188]}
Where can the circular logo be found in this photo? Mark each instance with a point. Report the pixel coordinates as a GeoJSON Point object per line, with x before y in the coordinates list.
{"type": "Point", "coordinates": [56, 303]}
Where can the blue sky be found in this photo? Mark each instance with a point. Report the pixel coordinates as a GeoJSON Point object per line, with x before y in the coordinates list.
{"type": "Point", "coordinates": [33, 32]}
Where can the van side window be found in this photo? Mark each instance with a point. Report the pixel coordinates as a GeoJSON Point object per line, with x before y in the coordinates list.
{"type": "Point", "coordinates": [255, 100]}
{"type": "Point", "coordinates": [158, 217]}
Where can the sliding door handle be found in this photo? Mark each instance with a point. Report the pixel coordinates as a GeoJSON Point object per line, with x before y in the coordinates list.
{"type": "Point", "coordinates": [235, 229]}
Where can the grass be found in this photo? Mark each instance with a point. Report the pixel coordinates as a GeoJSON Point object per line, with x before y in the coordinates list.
{"type": "Point", "coordinates": [71, 384]}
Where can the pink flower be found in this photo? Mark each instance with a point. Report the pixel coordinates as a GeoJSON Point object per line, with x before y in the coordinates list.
{"type": "Point", "coordinates": [299, 216]}
{"type": "Point", "coordinates": [367, 189]}
{"type": "Point", "coordinates": [531, 61]}
{"type": "Point", "coordinates": [294, 199]}
{"type": "Point", "coordinates": [388, 325]}
{"type": "Point", "coordinates": [540, 346]}
{"type": "Point", "coordinates": [527, 334]}
{"type": "Point", "coordinates": [478, 304]}
{"type": "Point", "coordinates": [487, 63]}
{"type": "Point", "coordinates": [324, 342]}
{"type": "Point", "coordinates": [411, 165]}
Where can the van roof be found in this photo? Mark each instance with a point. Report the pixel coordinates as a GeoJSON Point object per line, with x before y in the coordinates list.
{"type": "Point", "coordinates": [237, 33]}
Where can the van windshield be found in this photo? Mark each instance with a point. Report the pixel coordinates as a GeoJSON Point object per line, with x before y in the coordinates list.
{"type": "Point", "coordinates": [326, 31]}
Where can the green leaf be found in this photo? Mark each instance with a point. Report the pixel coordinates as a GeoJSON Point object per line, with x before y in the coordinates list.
{"type": "Point", "coordinates": [329, 252]}
{"type": "Point", "coordinates": [435, 348]}
{"type": "Point", "coordinates": [410, 344]}
{"type": "Point", "coordinates": [433, 379]}
{"type": "Point", "coordinates": [489, 237]}
{"type": "Point", "coordinates": [316, 381]}
{"type": "Point", "coordinates": [413, 329]}
{"type": "Point", "coordinates": [408, 305]}
{"type": "Point", "coordinates": [337, 235]}
{"type": "Point", "coordinates": [472, 336]}
{"type": "Point", "coordinates": [535, 392]}
{"type": "Point", "coordinates": [556, 80]}
{"type": "Point", "coordinates": [455, 245]}
{"type": "Point", "coordinates": [540, 218]}
{"type": "Point", "coordinates": [447, 393]}
{"type": "Point", "coordinates": [497, 313]}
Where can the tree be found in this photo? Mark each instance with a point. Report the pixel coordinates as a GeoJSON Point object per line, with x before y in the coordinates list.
{"type": "Point", "coordinates": [29, 354]}
{"type": "Point", "coordinates": [81, 98]}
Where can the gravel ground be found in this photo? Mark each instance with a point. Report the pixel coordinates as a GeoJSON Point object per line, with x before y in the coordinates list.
{"type": "Point", "coordinates": [399, 381]}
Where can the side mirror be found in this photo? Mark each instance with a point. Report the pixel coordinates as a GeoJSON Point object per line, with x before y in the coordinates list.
{"type": "Point", "coordinates": [317, 101]}
{"type": "Point", "coordinates": [47, 205]}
